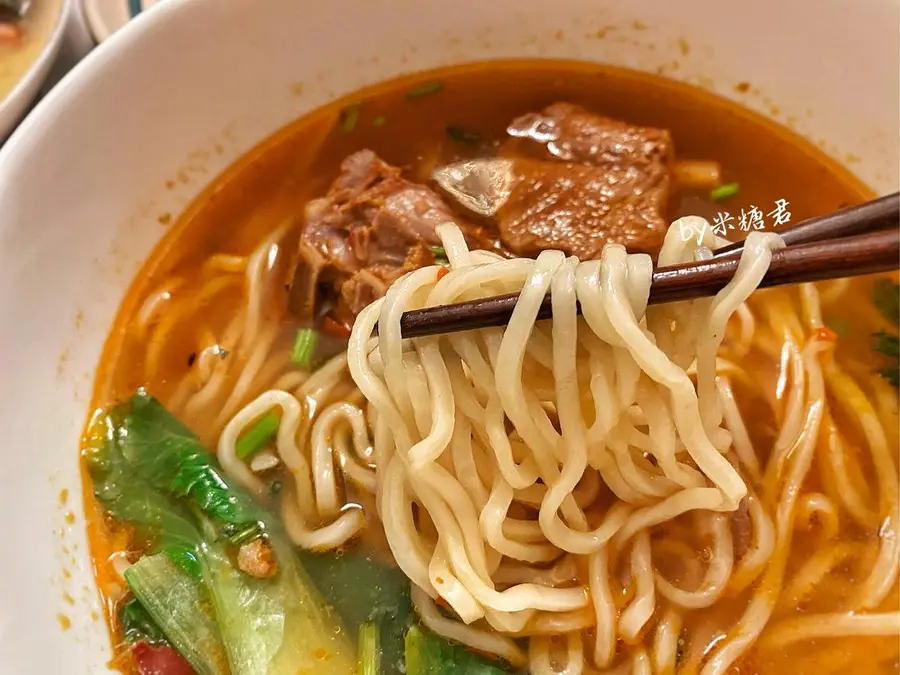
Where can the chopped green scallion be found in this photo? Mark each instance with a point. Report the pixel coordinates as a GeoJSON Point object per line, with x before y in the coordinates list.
{"type": "Point", "coordinates": [369, 650]}
{"type": "Point", "coordinates": [350, 117]}
{"type": "Point", "coordinates": [379, 121]}
{"type": "Point", "coordinates": [255, 438]}
{"type": "Point", "coordinates": [724, 192]}
{"type": "Point", "coordinates": [239, 536]}
{"type": "Point", "coordinates": [425, 89]}
{"type": "Point", "coordinates": [304, 347]}
{"type": "Point", "coordinates": [440, 255]}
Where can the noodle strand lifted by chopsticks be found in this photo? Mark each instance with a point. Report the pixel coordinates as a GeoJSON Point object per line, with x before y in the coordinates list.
{"type": "Point", "coordinates": [612, 350]}
{"type": "Point", "coordinates": [592, 481]}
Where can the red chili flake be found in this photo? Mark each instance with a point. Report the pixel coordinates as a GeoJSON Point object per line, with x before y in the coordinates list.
{"type": "Point", "coordinates": [825, 334]}
{"type": "Point", "coordinates": [161, 660]}
{"type": "Point", "coordinates": [335, 328]}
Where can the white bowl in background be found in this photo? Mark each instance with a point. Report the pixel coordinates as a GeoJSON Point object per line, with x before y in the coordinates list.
{"type": "Point", "coordinates": [149, 119]}
{"type": "Point", "coordinates": [14, 106]}
{"type": "Point", "coordinates": [105, 17]}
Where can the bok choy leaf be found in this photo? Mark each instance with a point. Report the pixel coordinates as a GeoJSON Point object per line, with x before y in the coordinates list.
{"type": "Point", "coordinates": [431, 655]}
{"type": "Point", "coordinates": [173, 600]}
{"type": "Point", "coordinates": [150, 471]}
{"type": "Point", "coordinates": [127, 497]}
{"type": "Point", "coordinates": [166, 454]}
{"type": "Point", "coordinates": [138, 625]}
{"type": "Point", "coordinates": [282, 622]}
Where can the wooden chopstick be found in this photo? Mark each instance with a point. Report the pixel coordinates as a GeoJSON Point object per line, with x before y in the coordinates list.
{"type": "Point", "coordinates": [816, 261]}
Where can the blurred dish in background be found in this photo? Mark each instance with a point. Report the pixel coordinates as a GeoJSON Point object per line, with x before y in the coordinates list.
{"type": "Point", "coordinates": [105, 17]}
{"type": "Point", "coordinates": [22, 39]}
{"type": "Point", "coordinates": [31, 32]}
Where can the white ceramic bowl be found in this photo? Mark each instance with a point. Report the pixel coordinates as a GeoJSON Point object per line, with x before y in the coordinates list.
{"type": "Point", "coordinates": [15, 105]}
{"type": "Point", "coordinates": [155, 113]}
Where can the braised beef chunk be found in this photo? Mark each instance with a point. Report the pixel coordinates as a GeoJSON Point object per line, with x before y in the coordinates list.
{"type": "Point", "coordinates": [372, 227]}
{"type": "Point", "coordinates": [579, 180]}
{"type": "Point", "coordinates": [582, 180]}
{"type": "Point", "coordinates": [578, 208]}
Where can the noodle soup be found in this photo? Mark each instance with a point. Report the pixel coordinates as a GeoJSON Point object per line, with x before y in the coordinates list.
{"type": "Point", "coordinates": [641, 490]}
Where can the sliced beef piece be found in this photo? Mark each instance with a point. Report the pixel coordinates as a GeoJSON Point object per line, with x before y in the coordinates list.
{"type": "Point", "coordinates": [582, 180]}
{"type": "Point", "coordinates": [578, 208]}
{"type": "Point", "coordinates": [372, 227]}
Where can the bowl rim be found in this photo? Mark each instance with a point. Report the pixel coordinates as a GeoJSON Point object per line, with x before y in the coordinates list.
{"type": "Point", "coordinates": [38, 69]}
{"type": "Point", "coordinates": [101, 25]}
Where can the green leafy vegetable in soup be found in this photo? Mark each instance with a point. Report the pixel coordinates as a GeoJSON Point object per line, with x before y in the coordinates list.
{"type": "Point", "coordinates": [430, 655]}
{"type": "Point", "coordinates": [886, 296]}
{"type": "Point", "coordinates": [165, 453]}
{"type": "Point", "coordinates": [175, 602]}
{"type": "Point", "coordinates": [192, 589]}
{"type": "Point", "coordinates": [224, 610]}
{"type": "Point", "coordinates": [138, 625]}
